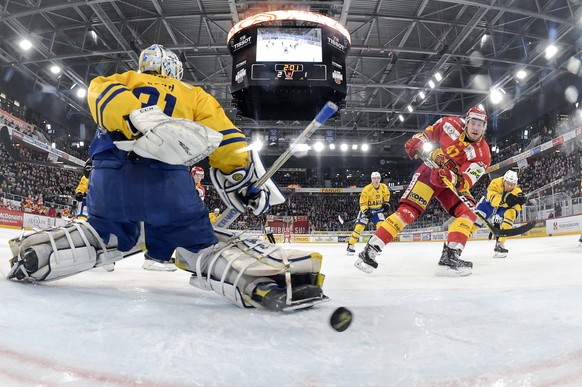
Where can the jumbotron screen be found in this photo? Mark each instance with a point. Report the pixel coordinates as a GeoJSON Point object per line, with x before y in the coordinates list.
{"type": "Point", "coordinates": [287, 44]}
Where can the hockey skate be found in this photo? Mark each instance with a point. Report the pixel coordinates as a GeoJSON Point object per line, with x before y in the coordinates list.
{"type": "Point", "coordinates": [500, 251]}
{"type": "Point", "coordinates": [350, 250]}
{"type": "Point", "coordinates": [367, 259]}
{"type": "Point", "coordinates": [152, 264]}
{"type": "Point", "coordinates": [450, 265]}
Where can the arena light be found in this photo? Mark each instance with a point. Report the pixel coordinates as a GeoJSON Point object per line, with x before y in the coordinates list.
{"type": "Point", "coordinates": [421, 95]}
{"type": "Point", "coordinates": [431, 84]}
{"type": "Point", "coordinates": [25, 44]}
{"type": "Point", "coordinates": [410, 108]}
{"type": "Point", "coordinates": [81, 92]}
{"type": "Point", "coordinates": [495, 96]}
{"type": "Point", "coordinates": [401, 117]}
{"type": "Point", "coordinates": [53, 145]}
{"type": "Point", "coordinates": [55, 69]}
{"type": "Point", "coordinates": [480, 106]}
{"type": "Point", "coordinates": [318, 146]}
{"type": "Point", "coordinates": [365, 147]}
{"type": "Point", "coordinates": [344, 147]}
{"type": "Point", "coordinates": [332, 146]}
{"type": "Point", "coordinates": [427, 147]}
{"type": "Point", "coordinates": [551, 50]}
{"type": "Point", "coordinates": [521, 74]}
{"type": "Point", "coordinates": [354, 146]}
{"type": "Point", "coordinates": [438, 76]}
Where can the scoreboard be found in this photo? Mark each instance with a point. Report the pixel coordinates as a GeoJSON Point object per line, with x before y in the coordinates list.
{"type": "Point", "coordinates": [287, 64]}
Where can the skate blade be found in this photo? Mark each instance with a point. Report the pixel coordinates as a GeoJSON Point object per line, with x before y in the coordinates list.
{"type": "Point", "coordinates": [349, 253]}
{"type": "Point", "coordinates": [159, 268]}
{"type": "Point", "coordinates": [499, 255]}
{"type": "Point", "coordinates": [445, 271]}
{"type": "Point", "coordinates": [363, 266]}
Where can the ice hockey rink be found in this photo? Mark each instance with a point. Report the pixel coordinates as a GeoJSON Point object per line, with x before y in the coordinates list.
{"type": "Point", "coordinates": [514, 322]}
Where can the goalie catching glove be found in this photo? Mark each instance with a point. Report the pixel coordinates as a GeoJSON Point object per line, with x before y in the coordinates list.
{"type": "Point", "coordinates": [237, 189]}
{"type": "Point", "coordinates": [170, 140]}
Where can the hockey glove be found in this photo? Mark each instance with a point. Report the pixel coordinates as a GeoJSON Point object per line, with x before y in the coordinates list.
{"type": "Point", "coordinates": [368, 213]}
{"type": "Point", "coordinates": [438, 174]}
{"type": "Point", "coordinates": [386, 207]}
{"type": "Point", "coordinates": [79, 196]}
{"type": "Point", "coordinates": [237, 189]}
{"type": "Point", "coordinates": [415, 144]}
{"type": "Point", "coordinates": [514, 200]}
{"type": "Point", "coordinates": [170, 140]}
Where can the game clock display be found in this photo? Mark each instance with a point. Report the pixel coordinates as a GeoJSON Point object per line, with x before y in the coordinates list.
{"type": "Point", "coordinates": [289, 72]}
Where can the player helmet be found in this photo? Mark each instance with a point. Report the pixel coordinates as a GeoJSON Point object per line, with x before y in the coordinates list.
{"type": "Point", "coordinates": [216, 210]}
{"type": "Point", "coordinates": [197, 171]}
{"type": "Point", "coordinates": [476, 113]}
{"type": "Point", "coordinates": [375, 174]}
{"type": "Point", "coordinates": [510, 177]}
{"type": "Point", "coordinates": [162, 61]}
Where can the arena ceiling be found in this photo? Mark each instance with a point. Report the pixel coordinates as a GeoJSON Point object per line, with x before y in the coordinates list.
{"type": "Point", "coordinates": [397, 48]}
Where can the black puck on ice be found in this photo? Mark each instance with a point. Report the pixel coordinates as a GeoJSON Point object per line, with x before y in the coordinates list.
{"type": "Point", "coordinates": [341, 319]}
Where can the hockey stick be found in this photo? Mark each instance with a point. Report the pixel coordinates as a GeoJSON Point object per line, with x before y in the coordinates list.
{"type": "Point", "coordinates": [342, 221]}
{"type": "Point", "coordinates": [494, 230]}
{"type": "Point", "coordinates": [231, 214]}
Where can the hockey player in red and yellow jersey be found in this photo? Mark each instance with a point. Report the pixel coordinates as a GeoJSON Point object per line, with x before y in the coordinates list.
{"type": "Point", "coordinates": [198, 175]}
{"type": "Point", "coordinates": [374, 200]}
{"type": "Point", "coordinates": [151, 127]}
{"type": "Point", "coordinates": [463, 156]}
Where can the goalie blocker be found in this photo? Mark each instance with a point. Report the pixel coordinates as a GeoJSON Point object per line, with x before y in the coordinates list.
{"type": "Point", "coordinates": [247, 271]}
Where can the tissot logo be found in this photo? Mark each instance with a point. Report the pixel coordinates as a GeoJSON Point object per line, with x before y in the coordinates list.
{"type": "Point", "coordinates": [334, 42]}
{"type": "Point", "coordinates": [243, 41]}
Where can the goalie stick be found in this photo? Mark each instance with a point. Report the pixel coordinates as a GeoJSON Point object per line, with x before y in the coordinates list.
{"type": "Point", "coordinates": [494, 230]}
{"type": "Point", "coordinates": [231, 214]}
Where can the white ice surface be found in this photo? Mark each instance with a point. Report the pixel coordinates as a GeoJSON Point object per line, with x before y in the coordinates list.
{"type": "Point", "coordinates": [514, 322]}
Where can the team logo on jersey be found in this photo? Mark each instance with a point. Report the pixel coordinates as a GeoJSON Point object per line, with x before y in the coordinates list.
{"type": "Point", "coordinates": [451, 131]}
{"type": "Point", "coordinates": [470, 152]}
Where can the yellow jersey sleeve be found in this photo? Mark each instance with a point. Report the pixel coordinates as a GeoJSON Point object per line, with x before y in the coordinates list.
{"type": "Point", "coordinates": [231, 153]}
{"type": "Point", "coordinates": [110, 100]}
{"type": "Point", "coordinates": [83, 185]}
{"type": "Point", "coordinates": [385, 193]}
{"type": "Point", "coordinates": [495, 192]}
{"type": "Point", "coordinates": [364, 199]}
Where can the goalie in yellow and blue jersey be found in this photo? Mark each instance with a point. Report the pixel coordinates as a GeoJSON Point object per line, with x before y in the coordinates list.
{"type": "Point", "coordinates": [504, 199]}
{"type": "Point", "coordinates": [152, 126]}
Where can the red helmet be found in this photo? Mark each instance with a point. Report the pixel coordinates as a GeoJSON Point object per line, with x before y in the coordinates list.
{"type": "Point", "coordinates": [197, 171]}
{"type": "Point", "coordinates": [476, 113]}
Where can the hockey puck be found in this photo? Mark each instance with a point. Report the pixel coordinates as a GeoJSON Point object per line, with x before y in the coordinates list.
{"type": "Point", "coordinates": [341, 319]}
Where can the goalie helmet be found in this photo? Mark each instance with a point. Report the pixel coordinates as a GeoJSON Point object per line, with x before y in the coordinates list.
{"type": "Point", "coordinates": [510, 177]}
{"type": "Point", "coordinates": [197, 171]}
{"type": "Point", "coordinates": [162, 61]}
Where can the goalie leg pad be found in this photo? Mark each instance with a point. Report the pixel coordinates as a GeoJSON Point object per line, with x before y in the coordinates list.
{"type": "Point", "coordinates": [52, 254]}
{"type": "Point", "coordinates": [253, 273]}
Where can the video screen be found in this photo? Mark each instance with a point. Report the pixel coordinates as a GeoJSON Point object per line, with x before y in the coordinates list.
{"type": "Point", "coordinates": [289, 44]}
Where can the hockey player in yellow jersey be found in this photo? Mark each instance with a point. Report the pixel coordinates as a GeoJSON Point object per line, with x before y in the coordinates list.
{"type": "Point", "coordinates": [504, 199]}
{"type": "Point", "coordinates": [151, 127]}
{"type": "Point", "coordinates": [374, 200]}
{"type": "Point", "coordinates": [214, 215]}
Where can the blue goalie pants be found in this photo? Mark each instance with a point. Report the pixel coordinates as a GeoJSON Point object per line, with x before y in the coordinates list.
{"type": "Point", "coordinates": [123, 193]}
